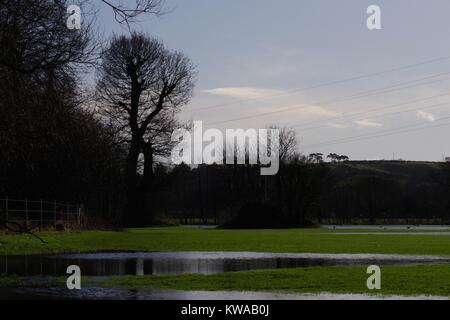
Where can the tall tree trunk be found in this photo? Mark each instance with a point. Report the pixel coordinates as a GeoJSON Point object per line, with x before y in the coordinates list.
{"type": "Point", "coordinates": [279, 197]}
{"type": "Point", "coordinates": [132, 192]}
{"type": "Point", "coordinates": [200, 194]}
{"type": "Point", "coordinates": [147, 185]}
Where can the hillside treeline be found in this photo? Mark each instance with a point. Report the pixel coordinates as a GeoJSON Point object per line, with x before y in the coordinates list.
{"type": "Point", "coordinates": [306, 192]}
{"type": "Point", "coordinates": [88, 120]}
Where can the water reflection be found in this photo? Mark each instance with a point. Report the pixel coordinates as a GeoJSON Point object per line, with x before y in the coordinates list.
{"type": "Point", "coordinates": [98, 293]}
{"type": "Point", "coordinates": [139, 264]}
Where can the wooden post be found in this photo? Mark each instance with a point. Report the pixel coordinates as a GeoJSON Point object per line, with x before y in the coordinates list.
{"type": "Point", "coordinates": [79, 216]}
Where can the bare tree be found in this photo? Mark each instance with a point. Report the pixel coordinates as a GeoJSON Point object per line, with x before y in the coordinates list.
{"type": "Point", "coordinates": [288, 144]}
{"type": "Point", "coordinates": [287, 151]}
{"type": "Point", "coordinates": [141, 87]}
{"type": "Point", "coordinates": [34, 36]}
{"type": "Point", "coordinates": [51, 146]}
{"type": "Point", "coordinates": [128, 13]}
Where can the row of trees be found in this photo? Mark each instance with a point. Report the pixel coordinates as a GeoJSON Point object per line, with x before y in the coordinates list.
{"type": "Point", "coordinates": [106, 147]}
{"type": "Point", "coordinates": [59, 140]}
{"type": "Point", "coordinates": [333, 157]}
{"type": "Point", "coordinates": [51, 147]}
{"type": "Point", "coordinates": [305, 192]}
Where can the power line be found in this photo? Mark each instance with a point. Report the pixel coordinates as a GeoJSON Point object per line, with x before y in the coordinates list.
{"type": "Point", "coordinates": [342, 99]}
{"type": "Point", "coordinates": [377, 135]}
{"type": "Point", "coordinates": [366, 135]}
{"type": "Point", "coordinates": [352, 115]}
{"type": "Point", "coordinates": [330, 83]}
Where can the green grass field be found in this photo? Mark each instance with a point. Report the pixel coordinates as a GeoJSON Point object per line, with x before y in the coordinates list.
{"type": "Point", "coordinates": [410, 280]}
{"type": "Point", "coordinates": [196, 239]}
{"type": "Point", "coordinates": [428, 279]}
{"type": "Point", "coordinates": [431, 279]}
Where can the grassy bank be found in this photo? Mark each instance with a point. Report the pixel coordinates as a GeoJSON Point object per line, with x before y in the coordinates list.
{"type": "Point", "coordinates": [395, 280]}
{"type": "Point", "coordinates": [194, 239]}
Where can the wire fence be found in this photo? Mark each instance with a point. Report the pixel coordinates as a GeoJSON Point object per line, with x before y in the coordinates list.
{"type": "Point", "coordinates": [41, 214]}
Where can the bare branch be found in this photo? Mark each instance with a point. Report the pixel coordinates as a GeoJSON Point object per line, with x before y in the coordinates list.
{"type": "Point", "coordinates": [18, 228]}
{"type": "Point", "coordinates": [127, 14]}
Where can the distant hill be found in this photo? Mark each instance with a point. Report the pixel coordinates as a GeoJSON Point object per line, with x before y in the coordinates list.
{"type": "Point", "coordinates": [373, 190]}
{"type": "Point", "coordinates": [411, 171]}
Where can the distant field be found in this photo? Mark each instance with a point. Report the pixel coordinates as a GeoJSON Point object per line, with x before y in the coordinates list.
{"type": "Point", "coordinates": [197, 239]}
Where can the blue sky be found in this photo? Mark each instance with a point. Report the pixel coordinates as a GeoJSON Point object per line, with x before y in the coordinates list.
{"type": "Point", "coordinates": [255, 56]}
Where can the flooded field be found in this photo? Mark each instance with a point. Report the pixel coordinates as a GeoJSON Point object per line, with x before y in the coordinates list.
{"type": "Point", "coordinates": [166, 263]}
{"type": "Point", "coordinates": [389, 227]}
{"type": "Point", "coordinates": [38, 269]}
{"type": "Point", "coordinates": [98, 293]}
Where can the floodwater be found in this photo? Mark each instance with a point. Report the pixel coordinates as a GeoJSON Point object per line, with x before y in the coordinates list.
{"type": "Point", "coordinates": [37, 267]}
{"type": "Point", "coordinates": [167, 263]}
{"type": "Point", "coordinates": [393, 233]}
{"type": "Point", "coordinates": [389, 227]}
{"type": "Point", "coordinates": [97, 293]}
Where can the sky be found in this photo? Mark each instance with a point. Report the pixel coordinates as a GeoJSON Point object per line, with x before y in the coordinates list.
{"type": "Point", "coordinates": [315, 67]}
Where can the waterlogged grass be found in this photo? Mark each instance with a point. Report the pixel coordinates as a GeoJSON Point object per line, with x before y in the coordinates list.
{"type": "Point", "coordinates": [410, 280]}
{"type": "Point", "coordinates": [196, 239]}
{"type": "Point", "coordinates": [11, 281]}
{"type": "Point", "coordinates": [407, 280]}
{"type": "Point", "coordinates": [429, 279]}
{"type": "Point", "coordinates": [14, 281]}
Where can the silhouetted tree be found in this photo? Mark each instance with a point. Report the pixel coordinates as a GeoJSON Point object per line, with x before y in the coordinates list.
{"type": "Point", "coordinates": [316, 157]}
{"type": "Point", "coordinates": [334, 157]}
{"type": "Point", "coordinates": [52, 146]}
{"type": "Point", "coordinates": [141, 87]}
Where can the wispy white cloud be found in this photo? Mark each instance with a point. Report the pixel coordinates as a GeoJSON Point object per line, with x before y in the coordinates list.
{"type": "Point", "coordinates": [316, 112]}
{"type": "Point", "coordinates": [425, 116]}
{"type": "Point", "coordinates": [365, 123]}
{"type": "Point", "coordinates": [244, 92]}
{"type": "Point", "coordinates": [337, 125]}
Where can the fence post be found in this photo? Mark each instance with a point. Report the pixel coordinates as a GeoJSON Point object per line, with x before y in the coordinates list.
{"type": "Point", "coordinates": [40, 226]}
{"type": "Point", "coordinates": [26, 212]}
{"type": "Point", "coordinates": [79, 216]}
